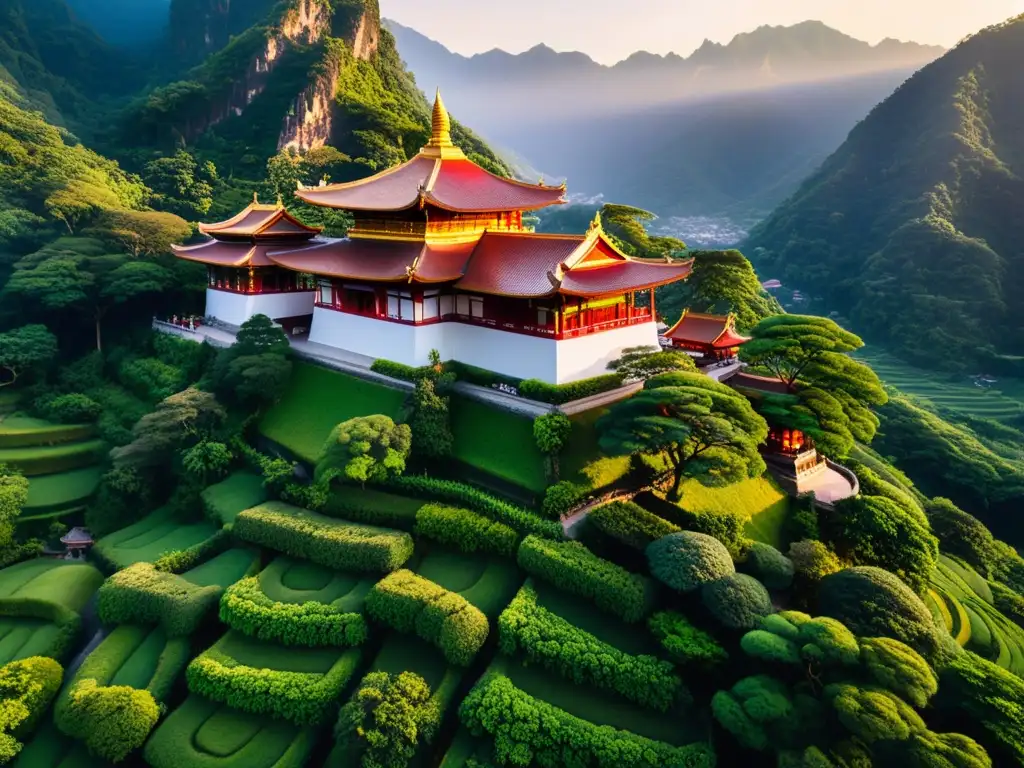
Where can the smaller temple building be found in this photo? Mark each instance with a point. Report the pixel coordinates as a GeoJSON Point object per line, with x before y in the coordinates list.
{"type": "Point", "coordinates": [241, 279]}
{"type": "Point", "coordinates": [708, 338]}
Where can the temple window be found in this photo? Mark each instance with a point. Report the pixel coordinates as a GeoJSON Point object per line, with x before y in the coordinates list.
{"type": "Point", "coordinates": [326, 293]}
{"type": "Point", "coordinates": [359, 299]}
{"type": "Point", "coordinates": [400, 305]}
{"type": "Point", "coordinates": [431, 305]}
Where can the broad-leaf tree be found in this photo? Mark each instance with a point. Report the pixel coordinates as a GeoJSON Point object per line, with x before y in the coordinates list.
{"type": "Point", "coordinates": [430, 421]}
{"type": "Point", "coordinates": [641, 363]}
{"type": "Point", "coordinates": [366, 448]}
{"type": "Point", "coordinates": [13, 496]}
{"type": "Point", "coordinates": [256, 369]}
{"type": "Point", "coordinates": [705, 430]}
{"type": "Point", "coordinates": [179, 421]}
{"type": "Point", "coordinates": [23, 349]}
{"type": "Point", "coordinates": [180, 184]}
{"type": "Point", "coordinates": [627, 226]}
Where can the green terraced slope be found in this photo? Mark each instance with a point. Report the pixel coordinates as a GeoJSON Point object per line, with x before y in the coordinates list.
{"type": "Point", "coordinates": [65, 490]}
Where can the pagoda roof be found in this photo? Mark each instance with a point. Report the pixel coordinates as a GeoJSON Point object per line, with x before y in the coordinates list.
{"type": "Point", "coordinates": [221, 253]}
{"type": "Point", "coordinates": [716, 331]}
{"type": "Point", "coordinates": [258, 221]}
{"type": "Point", "coordinates": [441, 176]}
{"type": "Point", "coordinates": [744, 380]}
{"type": "Point", "coordinates": [529, 265]}
{"type": "Point", "coordinates": [380, 260]}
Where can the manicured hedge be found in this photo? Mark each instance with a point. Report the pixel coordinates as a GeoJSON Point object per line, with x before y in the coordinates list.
{"type": "Point", "coordinates": [465, 530]}
{"type": "Point", "coordinates": [26, 689]}
{"type": "Point", "coordinates": [559, 646]}
{"type": "Point", "coordinates": [400, 370]}
{"type": "Point", "coordinates": [434, 489]}
{"type": "Point", "coordinates": [687, 560]}
{"type": "Point", "coordinates": [141, 594]}
{"type": "Point", "coordinates": [562, 498]}
{"type": "Point", "coordinates": [480, 376]}
{"type": "Point", "coordinates": [113, 721]}
{"type": "Point", "coordinates": [410, 603]}
{"type": "Point", "coordinates": [340, 504]}
{"type": "Point", "coordinates": [323, 540]}
{"type": "Point", "coordinates": [558, 394]}
{"type": "Point", "coordinates": [738, 601]}
{"type": "Point", "coordinates": [528, 731]}
{"type": "Point", "coordinates": [182, 560]}
{"type": "Point", "coordinates": [630, 524]}
{"type": "Point", "coordinates": [244, 607]}
{"type": "Point", "coordinates": [68, 623]}
{"type": "Point", "coordinates": [769, 566]}
{"type": "Point", "coordinates": [304, 698]}
{"type": "Point", "coordinates": [572, 567]}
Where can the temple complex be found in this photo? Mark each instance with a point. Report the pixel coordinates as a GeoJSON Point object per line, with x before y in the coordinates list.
{"type": "Point", "coordinates": [708, 338]}
{"type": "Point", "coordinates": [439, 258]}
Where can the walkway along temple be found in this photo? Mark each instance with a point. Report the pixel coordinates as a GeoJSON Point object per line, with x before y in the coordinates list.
{"type": "Point", "coordinates": [438, 258]}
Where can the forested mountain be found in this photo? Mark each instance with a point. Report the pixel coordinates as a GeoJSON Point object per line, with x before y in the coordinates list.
{"type": "Point", "coordinates": [128, 23]}
{"type": "Point", "coordinates": [913, 228]}
{"type": "Point", "coordinates": [562, 84]}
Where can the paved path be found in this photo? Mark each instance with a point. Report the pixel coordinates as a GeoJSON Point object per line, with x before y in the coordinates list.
{"type": "Point", "coordinates": [830, 486]}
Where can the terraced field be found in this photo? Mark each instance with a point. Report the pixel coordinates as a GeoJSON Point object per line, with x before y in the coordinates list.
{"type": "Point", "coordinates": [239, 491]}
{"type": "Point", "coordinates": [147, 540]}
{"type": "Point", "coordinates": [1004, 401]}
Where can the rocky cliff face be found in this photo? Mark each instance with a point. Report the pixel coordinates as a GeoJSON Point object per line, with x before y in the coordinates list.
{"type": "Point", "coordinates": [199, 28]}
{"type": "Point", "coordinates": [310, 122]}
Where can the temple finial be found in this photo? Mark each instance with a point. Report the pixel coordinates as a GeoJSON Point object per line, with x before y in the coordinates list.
{"type": "Point", "coordinates": [440, 125]}
{"type": "Point", "coordinates": [280, 200]}
{"type": "Point", "coordinates": [255, 198]}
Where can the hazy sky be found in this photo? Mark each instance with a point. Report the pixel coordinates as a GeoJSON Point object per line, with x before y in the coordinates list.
{"type": "Point", "coordinates": [609, 30]}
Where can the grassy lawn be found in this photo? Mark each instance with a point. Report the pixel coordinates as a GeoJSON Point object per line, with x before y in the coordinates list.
{"type": "Point", "coordinates": [465, 746]}
{"type": "Point", "coordinates": [203, 734]}
{"type": "Point", "coordinates": [49, 748]}
{"type": "Point", "coordinates": [487, 582]}
{"type": "Point", "coordinates": [241, 490]}
{"type": "Point", "coordinates": [60, 491]}
{"type": "Point", "coordinates": [21, 638]}
{"type": "Point", "coordinates": [138, 667]}
{"type": "Point", "coordinates": [17, 431]}
{"type": "Point", "coordinates": [224, 569]}
{"type": "Point", "coordinates": [582, 462]}
{"type": "Point", "coordinates": [153, 536]}
{"type": "Point", "coordinates": [599, 707]}
{"type": "Point", "coordinates": [294, 581]}
{"type": "Point", "coordinates": [381, 507]}
{"type": "Point", "coordinates": [70, 585]}
{"type": "Point", "coordinates": [760, 502]}
{"type": "Point", "coordinates": [236, 649]}
{"type": "Point", "coordinates": [497, 442]}
{"type": "Point", "coordinates": [48, 460]}
{"type": "Point", "coordinates": [407, 653]}
{"type": "Point", "coordinates": [317, 400]}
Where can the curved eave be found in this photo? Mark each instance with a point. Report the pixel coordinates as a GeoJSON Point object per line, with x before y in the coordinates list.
{"type": "Point", "coordinates": [196, 253]}
{"type": "Point", "coordinates": [303, 194]}
{"type": "Point", "coordinates": [431, 200]}
{"type": "Point", "coordinates": [679, 271]}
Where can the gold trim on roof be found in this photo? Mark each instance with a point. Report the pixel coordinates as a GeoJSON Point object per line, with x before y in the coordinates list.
{"type": "Point", "coordinates": [440, 144]}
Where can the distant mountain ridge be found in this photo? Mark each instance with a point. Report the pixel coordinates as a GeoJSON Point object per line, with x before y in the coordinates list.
{"type": "Point", "coordinates": [566, 82]}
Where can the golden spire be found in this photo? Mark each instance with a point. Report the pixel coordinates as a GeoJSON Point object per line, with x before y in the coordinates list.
{"type": "Point", "coordinates": [280, 200]}
{"type": "Point", "coordinates": [440, 124]}
{"type": "Point", "coordinates": [255, 198]}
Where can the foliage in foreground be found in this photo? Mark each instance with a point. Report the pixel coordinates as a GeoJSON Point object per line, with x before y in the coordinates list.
{"type": "Point", "coordinates": [572, 567]}
{"type": "Point", "coordinates": [686, 560]}
{"type": "Point", "coordinates": [26, 689]}
{"type": "Point", "coordinates": [365, 449]}
{"type": "Point", "coordinates": [495, 707]}
{"type": "Point", "coordinates": [685, 643]}
{"type": "Point", "coordinates": [559, 646]}
{"type": "Point", "coordinates": [143, 595]}
{"type": "Point", "coordinates": [112, 721]}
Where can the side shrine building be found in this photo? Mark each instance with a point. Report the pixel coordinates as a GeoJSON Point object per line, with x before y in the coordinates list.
{"type": "Point", "coordinates": [438, 258]}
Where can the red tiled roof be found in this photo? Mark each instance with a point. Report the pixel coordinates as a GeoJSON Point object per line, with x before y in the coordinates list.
{"type": "Point", "coordinates": [456, 184]}
{"type": "Point", "coordinates": [260, 221]}
{"type": "Point", "coordinates": [631, 275]}
{"type": "Point", "coordinates": [385, 260]}
{"type": "Point", "coordinates": [440, 262]}
{"type": "Point", "coordinates": [518, 264]}
{"type": "Point", "coordinates": [226, 254]}
{"type": "Point", "coordinates": [714, 330]}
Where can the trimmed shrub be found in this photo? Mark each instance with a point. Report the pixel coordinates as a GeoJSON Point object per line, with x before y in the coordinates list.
{"type": "Point", "coordinates": [527, 731]}
{"type": "Point", "coordinates": [141, 594]}
{"type": "Point", "coordinates": [465, 530]}
{"type": "Point", "coordinates": [559, 394]}
{"type": "Point", "coordinates": [244, 607]}
{"type": "Point", "coordinates": [453, 492]}
{"type": "Point", "coordinates": [113, 721]}
{"type": "Point", "coordinates": [182, 560]}
{"type": "Point", "coordinates": [339, 504]}
{"type": "Point", "coordinates": [572, 567]}
{"type": "Point", "coordinates": [560, 498]}
{"type": "Point", "coordinates": [387, 719]}
{"type": "Point", "coordinates": [687, 560]}
{"type": "Point", "coordinates": [410, 603]}
{"type": "Point", "coordinates": [685, 643]}
{"type": "Point", "coordinates": [74, 408]}
{"type": "Point", "coordinates": [480, 376]}
{"type": "Point", "coordinates": [813, 560]}
{"type": "Point", "coordinates": [630, 524]}
{"type": "Point", "coordinates": [769, 566]}
{"type": "Point", "coordinates": [26, 689]}
{"type": "Point", "coordinates": [876, 603]}
{"type": "Point", "coordinates": [401, 370]}
{"type": "Point", "coordinates": [899, 668]}
{"type": "Point", "coordinates": [332, 543]}
{"type": "Point", "coordinates": [559, 646]}
{"type": "Point", "coordinates": [738, 601]}
{"type": "Point", "coordinates": [304, 698]}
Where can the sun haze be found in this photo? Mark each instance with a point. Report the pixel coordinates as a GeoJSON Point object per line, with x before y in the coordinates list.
{"type": "Point", "coordinates": [610, 31]}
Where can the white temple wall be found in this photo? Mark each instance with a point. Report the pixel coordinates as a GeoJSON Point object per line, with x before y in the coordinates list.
{"type": "Point", "coordinates": [236, 308]}
{"type": "Point", "coordinates": [406, 344]}
{"type": "Point", "coordinates": [588, 356]}
{"type": "Point", "coordinates": [512, 354]}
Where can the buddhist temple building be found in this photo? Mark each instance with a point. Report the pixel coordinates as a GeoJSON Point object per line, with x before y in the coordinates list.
{"type": "Point", "coordinates": [439, 258]}
{"type": "Point", "coordinates": [242, 281]}
{"type": "Point", "coordinates": [709, 338]}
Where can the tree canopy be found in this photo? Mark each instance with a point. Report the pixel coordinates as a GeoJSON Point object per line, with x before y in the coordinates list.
{"type": "Point", "coordinates": [364, 449]}
{"type": "Point", "coordinates": [641, 363]}
{"type": "Point", "coordinates": [706, 430]}
{"type": "Point", "coordinates": [23, 349]}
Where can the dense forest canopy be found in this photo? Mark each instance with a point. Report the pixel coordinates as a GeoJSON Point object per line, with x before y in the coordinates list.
{"type": "Point", "coordinates": [912, 228]}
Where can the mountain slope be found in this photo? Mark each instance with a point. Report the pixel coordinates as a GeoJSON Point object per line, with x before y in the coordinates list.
{"type": "Point", "coordinates": [129, 23]}
{"type": "Point", "coordinates": [913, 227]}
